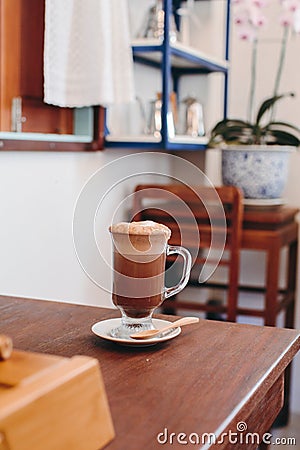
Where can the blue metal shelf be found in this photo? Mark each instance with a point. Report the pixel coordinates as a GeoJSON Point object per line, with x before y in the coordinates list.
{"type": "Point", "coordinates": [149, 142]}
{"type": "Point", "coordinates": [174, 60]}
{"type": "Point", "coordinates": [183, 58]}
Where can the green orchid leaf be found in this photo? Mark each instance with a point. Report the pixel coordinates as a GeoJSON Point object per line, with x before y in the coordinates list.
{"type": "Point", "coordinates": [228, 123]}
{"type": "Point", "coordinates": [284, 138]}
{"type": "Point", "coordinates": [268, 104]}
{"type": "Point", "coordinates": [282, 124]}
{"type": "Point", "coordinates": [237, 125]}
{"type": "Point", "coordinates": [232, 133]}
{"type": "Point", "coordinates": [243, 132]}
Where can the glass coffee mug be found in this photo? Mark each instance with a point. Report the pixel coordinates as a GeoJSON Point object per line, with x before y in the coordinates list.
{"type": "Point", "coordinates": [139, 258]}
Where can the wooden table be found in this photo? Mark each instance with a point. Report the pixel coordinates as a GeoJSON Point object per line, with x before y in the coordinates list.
{"type": "Point", "coordinates": [209, 379]}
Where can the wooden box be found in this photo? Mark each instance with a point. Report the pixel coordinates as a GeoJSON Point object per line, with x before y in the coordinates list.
{"type": "Point", "coordinates": [49, 402]}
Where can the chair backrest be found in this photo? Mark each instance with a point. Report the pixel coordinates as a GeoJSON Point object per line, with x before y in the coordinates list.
{"type": "Point", "coordinates": [200, 218]}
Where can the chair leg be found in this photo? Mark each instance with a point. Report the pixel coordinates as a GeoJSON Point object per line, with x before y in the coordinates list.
{"type": "Point", "coordinates": [263, 446]}
{"type": "Point", "coordinates": [213, 315]}
{"type": "Point", "coordinates": [170, 310]}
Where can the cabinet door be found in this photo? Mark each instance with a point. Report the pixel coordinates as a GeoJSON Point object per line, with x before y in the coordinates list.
{"type": "Point", "coordinates": [21, 70]}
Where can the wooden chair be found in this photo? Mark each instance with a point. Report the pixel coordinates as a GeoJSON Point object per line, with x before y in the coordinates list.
{"type": "Point", "coordinates": [207, 221]}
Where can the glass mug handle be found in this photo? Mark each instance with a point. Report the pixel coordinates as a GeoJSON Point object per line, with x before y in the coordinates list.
{"type": "Point", "coordinates": [187, 264]}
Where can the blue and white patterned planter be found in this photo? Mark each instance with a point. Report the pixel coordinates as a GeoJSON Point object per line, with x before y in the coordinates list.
{"type": "Point", "coordinates": [260, 171]}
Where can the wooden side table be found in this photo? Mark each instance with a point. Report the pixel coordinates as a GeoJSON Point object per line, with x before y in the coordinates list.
{"type": "Point", "coordinates": [270, 230]}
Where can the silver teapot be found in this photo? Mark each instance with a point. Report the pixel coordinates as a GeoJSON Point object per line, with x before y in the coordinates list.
{"type": "Point", "coordinates": [155, 122]}
{"type": "Point", "coordinates": [194, 123]}
{"type": "Point", "coordinates": [153, 26]}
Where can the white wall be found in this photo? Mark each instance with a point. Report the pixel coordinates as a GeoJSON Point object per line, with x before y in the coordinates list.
{"type": "Point", "coordinates": [38, 196]}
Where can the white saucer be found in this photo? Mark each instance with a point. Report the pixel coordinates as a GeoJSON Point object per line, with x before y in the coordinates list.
{"type": "Point", "coordinates": [103, 328]}
{"type": "Point", "coordinates": [263, 201]}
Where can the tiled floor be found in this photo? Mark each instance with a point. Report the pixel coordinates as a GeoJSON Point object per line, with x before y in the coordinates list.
{"type": "Point", "coordinates": [291, 431]}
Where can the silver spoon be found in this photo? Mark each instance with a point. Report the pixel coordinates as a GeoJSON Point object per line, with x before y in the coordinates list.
{"type": "Point", "coordinates": [178, 323]}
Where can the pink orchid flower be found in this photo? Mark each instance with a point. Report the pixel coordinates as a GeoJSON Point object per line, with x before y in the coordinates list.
{"type": "Point", "coordinates": [249, 18]}
{"type": "Point", "coordinates": [290, 14]}
{"type": "Point", "coordinates": [290, 5]}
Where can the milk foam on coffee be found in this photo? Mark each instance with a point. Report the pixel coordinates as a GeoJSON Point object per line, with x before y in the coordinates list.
{"type": "Point", "coordinates": [145, 227]}
{"type": "Point", "coordinates": [135, 237]}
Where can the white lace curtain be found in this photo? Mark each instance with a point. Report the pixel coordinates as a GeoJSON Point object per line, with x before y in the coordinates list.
{"type": "Point", "coordinates": [87, 54]}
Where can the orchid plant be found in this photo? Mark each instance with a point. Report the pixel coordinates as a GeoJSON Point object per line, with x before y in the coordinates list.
{"type": "Point", "coordinates": [249, 17]}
